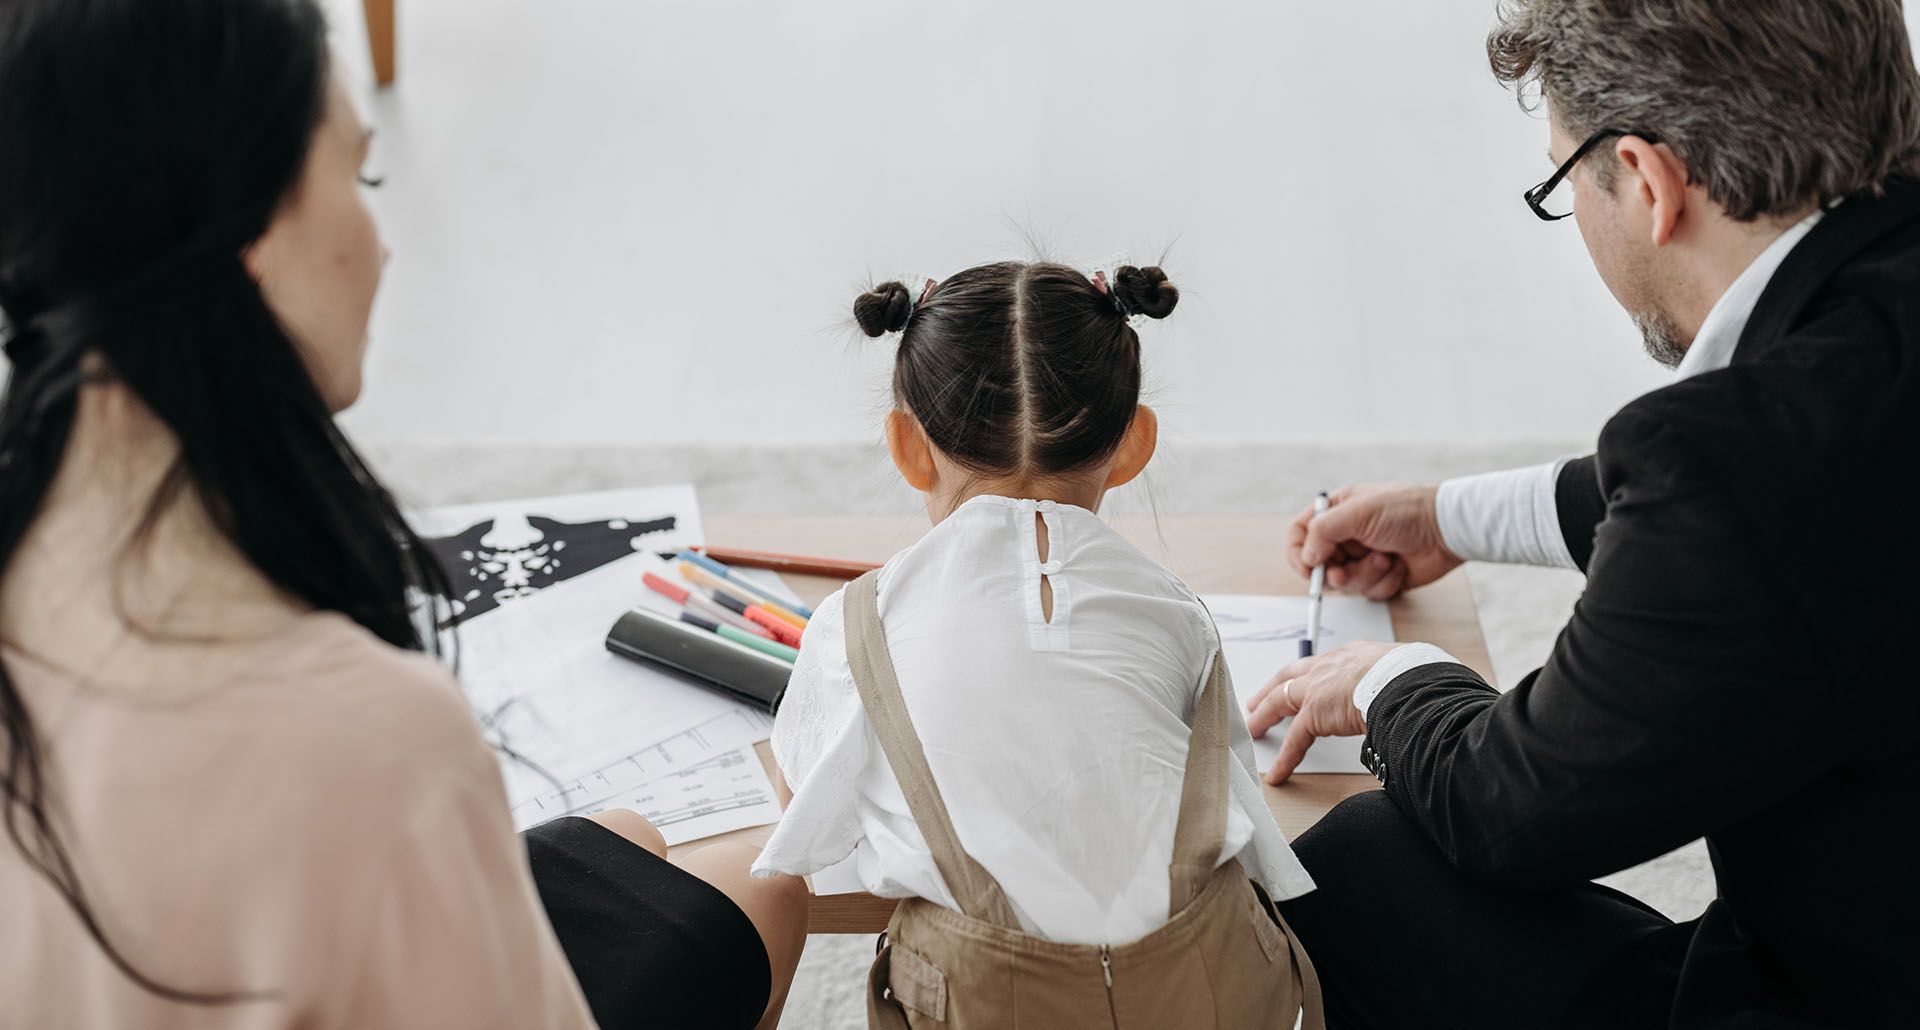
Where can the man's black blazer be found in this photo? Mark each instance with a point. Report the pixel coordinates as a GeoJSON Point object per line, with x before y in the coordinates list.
{"type": "Point", "coordinates": [1744, 664]}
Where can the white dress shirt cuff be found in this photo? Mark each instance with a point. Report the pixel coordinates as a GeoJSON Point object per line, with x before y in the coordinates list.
{"type": "Point", "coordinates": [1508, 517]}
{"type": "Point", "coordinates": [1401, 659]}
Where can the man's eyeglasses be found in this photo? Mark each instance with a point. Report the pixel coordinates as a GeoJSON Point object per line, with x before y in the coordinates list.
{"type": "Point", "coordinates": [1553, 200]}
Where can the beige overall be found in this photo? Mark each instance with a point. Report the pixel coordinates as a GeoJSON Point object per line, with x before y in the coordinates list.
{"type": "Point", "coordinates": [1225, 960]}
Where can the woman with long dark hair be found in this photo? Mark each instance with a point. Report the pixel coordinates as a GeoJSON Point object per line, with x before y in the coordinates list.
{"type": "Point", "coordinates": [231, 795]}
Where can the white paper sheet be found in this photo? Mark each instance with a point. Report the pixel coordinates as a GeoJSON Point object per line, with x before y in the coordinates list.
{"type": "Point", "coordinates": [593, 730]}
{"type": "Point", "coordinates": [726, 791]}
{"type": "Point", "coordinates": [1262, 634]}
{"type": "Point", "coordinates": [678, 501]}
{"type": "Point", "coordinates": [501, 552]}
{"type": "Point", "coordinates": [697, 779]}
{"type": "Point", "coordinates": [539, 672]}
{"type": "Point", "coordinates": [538, 583]}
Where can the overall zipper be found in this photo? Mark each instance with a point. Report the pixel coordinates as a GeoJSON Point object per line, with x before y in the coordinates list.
{"type": "Point", "coordinates": [1106, 970]}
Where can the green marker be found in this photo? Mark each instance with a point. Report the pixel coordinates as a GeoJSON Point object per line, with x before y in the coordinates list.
{"type": "Point", "coordinates": [761, 644]}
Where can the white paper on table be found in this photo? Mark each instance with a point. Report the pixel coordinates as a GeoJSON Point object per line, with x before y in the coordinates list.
{"type": "Point", "coordinates": [539, 582]}
{"type": "Point", "coordinates": [500, 553]}
{"type": "Point", "coordinates": [719, 794]}
{"type": "Point", "coordinates": [632, 780]}
{"type": "Point", "coordinates": [584, 722]}
{"type": "Point", "coordinates": [1261, 634]}
{"type": "Point", "coordinates": [678, 501]}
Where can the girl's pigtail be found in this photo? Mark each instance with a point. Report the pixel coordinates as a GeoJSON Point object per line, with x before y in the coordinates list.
{"type": "Point", "coordinates": [887, 308]}
{"type": "Point", "coordinates": [1144, 291]}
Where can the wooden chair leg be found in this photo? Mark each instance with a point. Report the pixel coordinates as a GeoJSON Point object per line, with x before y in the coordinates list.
{"type": "Point", "coordinates": [380, 38]}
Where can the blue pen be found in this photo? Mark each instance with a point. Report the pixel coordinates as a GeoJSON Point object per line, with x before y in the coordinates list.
{"type": "Point", "coordinates": [727, 574]}
{"type": "Point", "coordinates": [1316, 588]}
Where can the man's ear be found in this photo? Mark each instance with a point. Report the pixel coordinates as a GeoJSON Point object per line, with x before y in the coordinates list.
{"type": "Point", "coordinates": [1136, 448]}
{"type": "Point", "coordinates": [1657, 178]}
{"type": "Point", "coordinates": [910, 449]}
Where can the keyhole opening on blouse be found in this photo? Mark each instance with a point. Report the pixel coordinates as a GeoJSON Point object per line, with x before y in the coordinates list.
{"type": "Point", "coordinates": [1046, 582]}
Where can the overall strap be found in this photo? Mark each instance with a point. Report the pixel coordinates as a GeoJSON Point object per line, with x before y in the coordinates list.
{"type": "Point", "coordinates": [1202, 823]}
{"type": "Point", "coordinates": [977, 892]}
{"type": "Point", "coordinates": [1313, 1004]}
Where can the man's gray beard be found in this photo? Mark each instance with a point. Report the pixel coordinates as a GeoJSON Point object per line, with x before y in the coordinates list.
{"type": "Point", "coordinates": [1661, 337]}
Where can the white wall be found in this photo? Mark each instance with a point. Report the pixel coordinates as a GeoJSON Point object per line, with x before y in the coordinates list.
{"type": "Point", "coordinates": [606, 213]}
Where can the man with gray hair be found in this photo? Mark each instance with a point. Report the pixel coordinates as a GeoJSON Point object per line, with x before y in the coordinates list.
{"type": "Point", "coordinates": [1741, 666]}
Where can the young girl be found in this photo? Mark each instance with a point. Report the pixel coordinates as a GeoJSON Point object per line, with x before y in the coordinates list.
{"type": "Point", "coordinates": [1013, 717]}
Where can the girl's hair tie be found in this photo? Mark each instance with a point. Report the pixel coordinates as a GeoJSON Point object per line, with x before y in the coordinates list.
{"type": "Point", "coordinates": [1119, 304]}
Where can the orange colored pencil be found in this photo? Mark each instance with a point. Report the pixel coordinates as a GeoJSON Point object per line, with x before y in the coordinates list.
{"type": "Point", "coordinates": [799, 565]}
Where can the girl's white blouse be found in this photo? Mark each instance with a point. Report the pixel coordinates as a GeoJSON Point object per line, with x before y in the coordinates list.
{"type": "Point", "coordinates": [1059, 746]}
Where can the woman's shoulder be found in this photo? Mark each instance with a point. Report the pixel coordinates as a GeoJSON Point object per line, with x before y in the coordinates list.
{"type": "Point", "coordinates": [341, 691]}
{"type": "Point", "coordinates": [345, 662]}
{"type": "Point", "coordinates": [319, 762]}
{"type": "Point", "coordinates": [374, 746]}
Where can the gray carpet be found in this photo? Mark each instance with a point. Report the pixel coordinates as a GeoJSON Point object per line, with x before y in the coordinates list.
{"type": "Point", "coordinates": [1521, 610]}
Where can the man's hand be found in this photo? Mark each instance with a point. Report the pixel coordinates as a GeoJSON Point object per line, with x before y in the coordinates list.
{"type": "Point", "coordinates": [1319, 692]}
{"type": "Point", "coordinates": [1374, 540]}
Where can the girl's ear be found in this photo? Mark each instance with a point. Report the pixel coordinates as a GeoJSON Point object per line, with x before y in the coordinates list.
{"type": "Point", "coordinates": [912, 452]}
{"type": "Point", "coordinates": [1136, 448]}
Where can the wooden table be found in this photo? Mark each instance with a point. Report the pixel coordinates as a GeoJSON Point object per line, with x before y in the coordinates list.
{"type": "Point", "coordinates": [1214, 556]}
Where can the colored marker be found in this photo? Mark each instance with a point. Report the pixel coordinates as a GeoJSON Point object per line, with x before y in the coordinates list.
{"type": "Point", "coordinates": [693, 599]}
{"type": "Point", "coordinates": [780, 651]}
{"type": "Point", "coordinates": [692, 619]}
{"type": "Point", "coordinates": [772, 623]}
{"type": "Point", "coordinates": [767, 622]}
{"type": "Point", "coordinates": [716, 589]}
{"type": "Point", "coordinates": [765, 595]}
{"type": "Point", "coordinates": [720, 614]}
{"type": "Point", "coordinates": [726, 632]}
{"type": "Point", "coordinates": [776, 627]}
{"type": "Point", "coordinates": [728, 588]}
